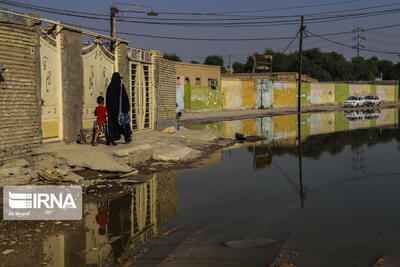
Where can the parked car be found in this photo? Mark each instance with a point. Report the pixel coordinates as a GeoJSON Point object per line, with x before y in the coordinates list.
{"type": "Point", "coordinates": [354, 101]}
{"type": "Point", "coordinates": [372, 100]}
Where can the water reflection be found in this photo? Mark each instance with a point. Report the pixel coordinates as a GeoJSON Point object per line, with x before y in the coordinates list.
{"type": "Point", "coordinates": [315, 177]}
{"type": "Point", "coordinates": [112, 229]}
{"type": "Point", "coordinates": [285, 127]}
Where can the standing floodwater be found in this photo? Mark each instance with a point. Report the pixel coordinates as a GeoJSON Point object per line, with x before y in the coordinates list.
{"type": "Point", "coordinates": [248, 205]}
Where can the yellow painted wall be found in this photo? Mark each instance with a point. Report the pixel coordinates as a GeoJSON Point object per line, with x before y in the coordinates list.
{"type": "Point", "coordinates": [360, 89]}
{"type": "Point", "coordinates": [385, 92]}
{"type": "Point", "coordinates": [285, 94]}
{"type": "Point", "coordinates": [232, 92]}
{"type": "Point", "coordinates": [249, 93]}
{"type": "Point", "coordinates": [328, 93]}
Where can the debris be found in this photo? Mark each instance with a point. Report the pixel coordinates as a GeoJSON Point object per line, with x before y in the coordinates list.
{"type": "Point", "coordinates": [387, 261]}
{"type": "Point", "coordinates": [250, 242]}
{"type": "Point", "coordinates": [48, 176]}
{"type": "Point", "coordinates": [135, 172]}
{"type": "Point", "coordinates": [7, 251]}
{"type": "Point", "coordinates": [171, 231]}
{"type": "Point", "coordinates": [169, 130]}
{"type": "Point", "coordinates": [169, 258]}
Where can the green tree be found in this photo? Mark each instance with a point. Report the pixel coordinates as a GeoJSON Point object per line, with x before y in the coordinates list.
{"type": "Point", "coordinates": [194, 62]}
{"type": "Point", "coordinates": [238, 67]}
{"type": "Point", "coordinates": [173, 57]}
{"type": "Point", "coordinates": [215, 60]}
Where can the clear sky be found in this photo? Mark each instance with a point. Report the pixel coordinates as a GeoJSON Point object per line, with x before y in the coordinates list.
{"type": "Point", "coordinates": [383, 40]}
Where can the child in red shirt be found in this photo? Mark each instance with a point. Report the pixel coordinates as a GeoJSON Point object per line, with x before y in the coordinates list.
{"type": "Point", "coordinates": [101, 113]}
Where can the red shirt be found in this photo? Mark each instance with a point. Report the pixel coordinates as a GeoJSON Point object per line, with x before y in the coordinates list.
{"type": "Point", "coordinates": [101, 113]}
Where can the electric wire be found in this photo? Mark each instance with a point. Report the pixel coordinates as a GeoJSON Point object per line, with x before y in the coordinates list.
{"type": "Point", "coordinates": [290, 43]}
{"type": "Point", "coordinates": [349, 46]}
{"type": "Point", "coordinates": [225, 24]}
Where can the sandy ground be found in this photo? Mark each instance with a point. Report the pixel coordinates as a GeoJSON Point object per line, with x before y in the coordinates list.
{"type": "Point", "coordinates": [150, 151]}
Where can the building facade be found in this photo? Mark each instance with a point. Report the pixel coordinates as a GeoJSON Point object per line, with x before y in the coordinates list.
{"type": "Point", "coordinates": [52, 80]}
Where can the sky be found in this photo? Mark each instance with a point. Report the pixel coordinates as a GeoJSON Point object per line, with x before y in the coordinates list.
{"type": "Point", "coordinates": [382, 40]}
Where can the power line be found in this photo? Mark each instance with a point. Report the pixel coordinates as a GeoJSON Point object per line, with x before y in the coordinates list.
{"type": "Point", "coordinates": [290, 43]}
{"type": "Point", "coordinates": [349, 46]}
{"type": "Point", "coordinates": [225, 24]}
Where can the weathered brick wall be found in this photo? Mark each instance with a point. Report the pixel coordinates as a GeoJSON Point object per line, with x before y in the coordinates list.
{"type": "Point", "coordinates": [19, 102]}
{"type": "Point", "coordinates": [165, 90]}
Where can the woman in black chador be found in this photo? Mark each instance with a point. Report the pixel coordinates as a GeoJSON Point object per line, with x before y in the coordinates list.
{"type": "Point", "coordinates": [118, 106]}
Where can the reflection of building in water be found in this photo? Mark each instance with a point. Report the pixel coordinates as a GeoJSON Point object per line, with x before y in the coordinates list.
{"type": "Point", "coordinates": [53, 248]}
{"type": "Point", "coordinates": [265, 128]}
{"type": "Point", "coordinates": [120, 225]}
{"type": "Point", "coordinates": [262, 156]}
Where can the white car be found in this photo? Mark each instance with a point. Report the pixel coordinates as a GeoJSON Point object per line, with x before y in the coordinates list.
{"type": "Point", "coordinates": [372, 100]}
{"type": "Point", "coordinates": [354, 101]}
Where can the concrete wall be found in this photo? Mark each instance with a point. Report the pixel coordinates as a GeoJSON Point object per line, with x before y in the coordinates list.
{"type": "Point", "coordinates": [165, 91]}
{"type": "Point", "coordinates": [244, 93]}
{"type": "Point", "coordinates": [19, 93]}
{"type": "Point", "coordinates": [72, 84]}
{"type": "Point", "coordinates": [123, 62]}
{"type": "Point", "coordinates": [180, 93]}
{"type": "Point", "coordinates": [203, 97]}
{"type": "Point", "coordinates": [272, 76]}
{"type": "Point", "coordinates": [232, 93]}
{"type": "Point", "coordinates": [193, 71]}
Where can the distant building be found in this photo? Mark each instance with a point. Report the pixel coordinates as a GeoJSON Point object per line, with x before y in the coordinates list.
{"type": "Point", "coordinates": [272, 76]}
{"type": "Point", "coordinates": [198, 86]}
{"type": "Point", "coordinates": [198, 74]}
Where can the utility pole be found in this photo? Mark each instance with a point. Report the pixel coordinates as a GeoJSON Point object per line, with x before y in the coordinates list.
{"type": "Point", "coordinates": [302, 28]}
{"type": "Point", "coordinates": [113, 12]}
{"type": "Point", "coordinates": [358, 39]}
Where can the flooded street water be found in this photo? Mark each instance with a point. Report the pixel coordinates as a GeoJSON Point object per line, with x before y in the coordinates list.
{"type": "Point", "coordinates": [337, 205]}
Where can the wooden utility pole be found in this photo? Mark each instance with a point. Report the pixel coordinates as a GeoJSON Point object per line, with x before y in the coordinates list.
{"type": "Point", "coordinates": [302, 28]}
{"type": "Point", "coordinates": [358, 39]}
{"type": "Point", "coordinates": [113, 12]}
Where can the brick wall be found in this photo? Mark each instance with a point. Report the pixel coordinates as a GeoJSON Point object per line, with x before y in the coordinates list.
{"type": "Point", "coordinates": [165, 91]}
{"type": "Point", "coordinates": [19, 102]}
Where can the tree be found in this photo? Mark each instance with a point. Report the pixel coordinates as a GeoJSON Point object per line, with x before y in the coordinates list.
{"type": "Point", "coordinates": [194, 62]}
{"type": "Point", "coordinates": [173, 57]}
{"type": "Point", "coordinates": [238, 67]}
{"type": "Point", "coordinates": [327, 66]}
{"type": "Point", "coordinates": [215, 61]}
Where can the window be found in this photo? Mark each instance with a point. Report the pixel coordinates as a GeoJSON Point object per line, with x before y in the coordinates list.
{"type": "Point", "coordinates": [198, 81]}
{"type": "Point", "coordinates": [187, 81]}
{"type": "Point", "coordinates": [213, 83]}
